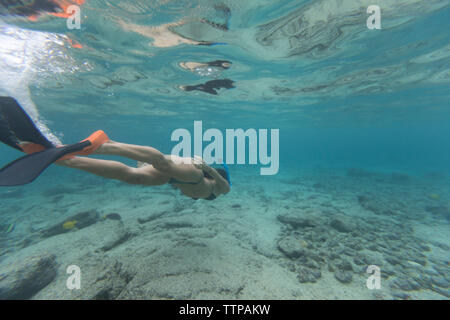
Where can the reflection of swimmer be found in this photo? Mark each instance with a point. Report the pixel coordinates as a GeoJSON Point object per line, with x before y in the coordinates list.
{"type": "Point", "coordinates": [192, 177]}
{"type": "Point", "coordinates": [192, 66]}
{"type": "Point", "coordinates": [211, 86]}
{"type": "Point", "coordinates": [163, 36]}
{"type": "Point", "coordinates": [34, 8]}
{"type": "Point", "coordinates": [208, 69]}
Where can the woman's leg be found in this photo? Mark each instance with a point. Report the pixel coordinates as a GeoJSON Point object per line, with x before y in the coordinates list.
{"type": "Point", "coordinates": [185, 172]}
{"type": "Point", "coordinates": [117, 170]}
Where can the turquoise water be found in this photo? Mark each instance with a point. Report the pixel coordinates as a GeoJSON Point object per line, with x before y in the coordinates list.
{"type": "Point", "coordinates": [364, 125]}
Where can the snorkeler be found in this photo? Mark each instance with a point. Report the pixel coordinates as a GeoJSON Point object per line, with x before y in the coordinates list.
{"type": "Point", "coordinates": [211, 86]}
{"type": "Point", "coordinates": [192, 177]}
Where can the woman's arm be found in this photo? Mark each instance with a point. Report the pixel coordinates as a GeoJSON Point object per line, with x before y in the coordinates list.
{"type": "Point", "coordinates": [222, 185]}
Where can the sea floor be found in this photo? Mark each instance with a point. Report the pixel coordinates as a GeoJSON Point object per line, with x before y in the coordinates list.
{"type": "Point", "coordinates": [298, 235]}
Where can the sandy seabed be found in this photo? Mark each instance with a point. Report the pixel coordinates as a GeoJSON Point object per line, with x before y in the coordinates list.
{"type": "Point", "coordinates": [299, 235]}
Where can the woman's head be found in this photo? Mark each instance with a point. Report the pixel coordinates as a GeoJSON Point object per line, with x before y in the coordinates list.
{"type": "Point", "coordinates": [223, 173]}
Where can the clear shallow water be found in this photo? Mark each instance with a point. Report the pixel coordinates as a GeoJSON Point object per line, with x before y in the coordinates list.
{"type": "Point", "coordinates": [341, 95]}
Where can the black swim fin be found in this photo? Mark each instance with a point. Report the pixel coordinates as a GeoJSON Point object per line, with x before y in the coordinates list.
{"type": "Point", "coordinates": [26, 169]}
{"type": "Point", "coordinates": [15, 127]}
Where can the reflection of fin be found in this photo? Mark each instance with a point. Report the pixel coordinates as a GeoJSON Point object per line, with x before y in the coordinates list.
{"type": "Point", "coordinates": [211, 86]}
{"type": "Point", "coordinates": [33, 9]}
{"type": "Point", "coordinates": [64, 6]}
{"type": "Point", "coordinates": [74, 43]}
{"type": "Point", "coordinates": [33, 17]}
{"type": "Point", "coordinates": [30, 10]}
{"type": "Point", "coordinates": [201, 87]}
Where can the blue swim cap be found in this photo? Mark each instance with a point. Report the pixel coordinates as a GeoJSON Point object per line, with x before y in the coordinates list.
{"type": "Point", "coordinates": [224, 165]}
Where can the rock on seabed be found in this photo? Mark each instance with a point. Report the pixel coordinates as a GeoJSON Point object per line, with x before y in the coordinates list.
{"type": "Point", "coordinates": [22, 280]}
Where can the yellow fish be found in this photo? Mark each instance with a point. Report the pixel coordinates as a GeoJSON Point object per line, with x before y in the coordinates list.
{"type": "Point", "coordinates": [69, 224]}
{"type": "Point", "coordinates": [434, 196]}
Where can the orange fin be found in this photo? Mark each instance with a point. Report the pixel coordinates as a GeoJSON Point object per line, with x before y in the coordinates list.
{"type": "Point", "coordinates": [29, 147]}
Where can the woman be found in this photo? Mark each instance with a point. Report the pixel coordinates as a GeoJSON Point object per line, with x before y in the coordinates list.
{"type": "Point", "coordinates": [193, 177]}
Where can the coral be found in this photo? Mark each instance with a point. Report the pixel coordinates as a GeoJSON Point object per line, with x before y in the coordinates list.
{"type": "Point", "coordinates": [24, 278]}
